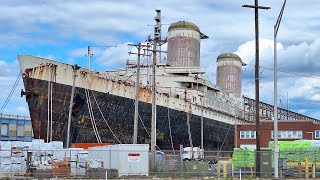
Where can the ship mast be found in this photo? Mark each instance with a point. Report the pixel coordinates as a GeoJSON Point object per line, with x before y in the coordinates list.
{"type": "Point", "coordinates": [89, 57]}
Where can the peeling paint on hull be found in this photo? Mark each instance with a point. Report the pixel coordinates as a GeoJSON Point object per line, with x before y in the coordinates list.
{"type": "Point", "coordinates": [119, 113]}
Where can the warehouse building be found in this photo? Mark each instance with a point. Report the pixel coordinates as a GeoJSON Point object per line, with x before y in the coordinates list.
{"type": "Point", "coordinates": [15, 128]}
{"type": "Point", "coordinates": [288, 130]}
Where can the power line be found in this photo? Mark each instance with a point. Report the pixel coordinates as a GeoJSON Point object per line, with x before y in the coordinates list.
{"type": "Point", "coordinates": [303, 102]}
{"type": "Point", "coordinates": [11, 93]}
{"type": "Point", "coordinates": [293, 73]}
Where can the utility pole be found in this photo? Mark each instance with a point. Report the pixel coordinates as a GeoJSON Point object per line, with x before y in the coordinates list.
{"type": "Point", "coordinates": [136, 107]}
{"type": "Point", "coordinates": [148, 62]}
{"type": "Point", "coordinates": [75, 68]}
{"type": "Point", "coordinates": [275, 110]}
{"type": "Point", "coordinates": [156, 41]}
{"type": "Point", "coordinates": [256, 14]}
{"type": "Point", "coordinates": [157, 30]}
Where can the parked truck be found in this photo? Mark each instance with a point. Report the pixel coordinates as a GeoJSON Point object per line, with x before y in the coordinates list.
{"type": "Point", "coordinates": [194, 153]}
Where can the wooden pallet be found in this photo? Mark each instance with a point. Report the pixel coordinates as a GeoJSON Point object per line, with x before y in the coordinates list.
{"type": "Point", "coordinates": [60, 168]}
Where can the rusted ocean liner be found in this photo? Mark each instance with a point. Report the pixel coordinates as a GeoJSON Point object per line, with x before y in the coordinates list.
{"type": "Point", "coordinates": [182, 90]}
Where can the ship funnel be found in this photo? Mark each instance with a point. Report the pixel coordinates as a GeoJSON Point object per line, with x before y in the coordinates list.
{"type": "Point", "coordinates": [184, 44]}
{"type": "Point", "coordinates": [229, 73]}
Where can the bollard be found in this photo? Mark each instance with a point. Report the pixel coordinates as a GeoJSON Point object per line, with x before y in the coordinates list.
{"type": "Point", "coordinates": [232, 170]}
{"type": "Point", "coordinates": [224, 170]}
{"type": "Point", "coordinates": [280, 173]}
{"type": "Point", "coordinates": [218, 169]}
{"type": "Point", "coordinates": [251, 169]}
{"type": "Point", "coordinates": [314, 169]}
{"type": "Point", "coordinates": [306, 169]}
{"type": "Point", "coordinates": [299, 169]}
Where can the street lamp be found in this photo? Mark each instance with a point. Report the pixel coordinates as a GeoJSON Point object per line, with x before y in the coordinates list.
{"type": "Point", "coordinates": [275, 116]}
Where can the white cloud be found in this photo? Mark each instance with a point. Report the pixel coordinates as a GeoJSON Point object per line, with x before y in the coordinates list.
{"type": "Point", "coordinates": [7, 69]}
{"type": "Point", "coordinates": [116, 56]}
{"type": "Point", "coordinates": [22, 110]}
{"type": "Point", "coordinates": [8, 76]}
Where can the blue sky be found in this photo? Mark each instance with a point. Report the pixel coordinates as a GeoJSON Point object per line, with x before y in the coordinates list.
{"type": "Point", "coordinates": [61, 30]}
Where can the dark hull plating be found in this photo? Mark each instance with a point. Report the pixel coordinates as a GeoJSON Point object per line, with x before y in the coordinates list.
{"type": "Point", "coordinates": [119, 114]}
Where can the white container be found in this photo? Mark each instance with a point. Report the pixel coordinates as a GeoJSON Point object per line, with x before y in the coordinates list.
{"type": "Point", "coordinates": [128, 159]}
{"type": "Point", "coordinates": [100, 152]}
{"type": "Point", "coordinates": [56, 144]}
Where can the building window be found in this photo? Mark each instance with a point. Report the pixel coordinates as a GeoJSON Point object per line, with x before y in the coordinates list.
{"type": "Point", "coordinates": [317, 134]}
{"type": "Point", "coordinates": [4, 129]}
{"type": "Point", "coordinates": [288, 134]}
{"type": "Point", "coordinates": [20, 130]}
{"type": "Point", "coordinates": [247, 134]}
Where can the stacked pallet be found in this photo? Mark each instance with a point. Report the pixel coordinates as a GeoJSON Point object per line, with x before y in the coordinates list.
{"type": "Point", "coordinates": [12, 157]}
{"type": "Point", "coordinates": [60, 169]}
{"type": "Point", "coordinates": [243, 157]}
{"type": "Point", "coordinates": [297, 151]}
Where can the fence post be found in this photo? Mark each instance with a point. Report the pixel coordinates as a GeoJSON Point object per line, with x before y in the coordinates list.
{"type": "Point", "coordinates": [218, 169]}
{"type": "Point", "coordinates": [314, 169]}
{"type": "Point", "coordinates": [299, 169]}
{"type": "Point", "coordinates": [224, 170]}
{"type": "Point", "coordinates": [181, 159]}
{"type": "Point", "coordinates": [232, 170]}
{"type": "Point", "coordinates": [306, 168]}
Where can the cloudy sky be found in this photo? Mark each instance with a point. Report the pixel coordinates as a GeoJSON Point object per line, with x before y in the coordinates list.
{"type": "Point", "coordinates": [62, 30]}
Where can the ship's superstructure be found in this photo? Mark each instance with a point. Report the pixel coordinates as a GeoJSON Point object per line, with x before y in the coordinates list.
{"type": "Point", "coordinates": [180, 91]}
{"type": "Point", "coordinates": [103, 100]}
{"type": "Point", "coordinates": [188, 105]}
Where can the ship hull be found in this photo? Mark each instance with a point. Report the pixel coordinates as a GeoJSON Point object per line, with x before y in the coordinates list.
{"type": "Point", "coordinates": [118, 123]}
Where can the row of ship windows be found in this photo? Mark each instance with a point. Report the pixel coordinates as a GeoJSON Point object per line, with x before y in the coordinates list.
{"type": "Point", "coordinates": [15, 130]}
{"type": "Point", "coordinates": [281, 134]}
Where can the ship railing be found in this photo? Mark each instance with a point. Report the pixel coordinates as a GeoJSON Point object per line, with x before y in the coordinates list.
{"type": "Point", "coordinates": [229, 107]}
{"type": "Point", "coordinates": [116, 78]}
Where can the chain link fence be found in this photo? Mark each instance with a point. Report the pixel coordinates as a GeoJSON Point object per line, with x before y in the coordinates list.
{"type": "Point", "coordinates": [114, 163]}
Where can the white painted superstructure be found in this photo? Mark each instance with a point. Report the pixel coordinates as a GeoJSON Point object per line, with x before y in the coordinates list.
{"type": "Point", "coordinates": [183, 89]}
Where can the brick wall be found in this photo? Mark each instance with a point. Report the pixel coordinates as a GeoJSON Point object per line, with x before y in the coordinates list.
{"type": "Point", "coordinates": [266, 127]}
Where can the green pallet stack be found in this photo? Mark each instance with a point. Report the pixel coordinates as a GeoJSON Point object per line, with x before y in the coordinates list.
{"type": "Point", "coordinates": [296, 151]}
{"type": "Point", "coordinates": [243, 157]}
